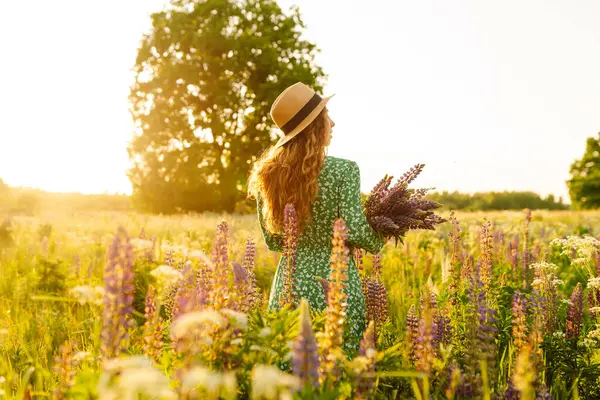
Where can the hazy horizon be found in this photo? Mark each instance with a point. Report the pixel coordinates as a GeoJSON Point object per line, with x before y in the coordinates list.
{"type": "Point", "coordinates": [490, 96]}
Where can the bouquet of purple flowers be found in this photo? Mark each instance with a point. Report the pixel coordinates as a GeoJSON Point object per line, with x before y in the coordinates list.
{"type": "Point", "coordinates": [392, 211]}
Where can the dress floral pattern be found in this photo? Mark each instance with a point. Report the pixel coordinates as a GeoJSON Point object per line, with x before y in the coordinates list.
{"type": "Point", "coordinates": [338, 196]}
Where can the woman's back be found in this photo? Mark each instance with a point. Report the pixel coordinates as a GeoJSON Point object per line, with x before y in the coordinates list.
{"type": "Point", "coordinates": [338, 197]}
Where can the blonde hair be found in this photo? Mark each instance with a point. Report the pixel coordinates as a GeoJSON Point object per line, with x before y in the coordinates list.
{"type": "Point", "coordinates": [288, 174]}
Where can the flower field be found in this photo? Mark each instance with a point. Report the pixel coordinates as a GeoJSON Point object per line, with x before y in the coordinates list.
{"type": "Point", "coordinates": [127, 306]}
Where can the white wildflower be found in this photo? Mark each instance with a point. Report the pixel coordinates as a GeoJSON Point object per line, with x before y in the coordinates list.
{"type": "Point", "coordinates": [567, 302]}
{"type": "Point", "coordinates": [557, 281]}
{"type": "Point", "coordinates": [594, 283]}
{"type": "Point", "coordinates": [595, 310]}
{"type": "Point", "coordinates": [264, 332]}
{"type": "Point", "coordinates": [116, 364]}
{"type": "Point", "coordinates": [141, 244]}
{"type": "Point", "coordinates": [136, 378]}
{"type": "Point", "coordinates": [268, 382]}
{"type": "Point", "coordinates": [236, 341]}
{"type": "Point", "coordinates": [237, 319]}
{"type": "Point", "coordinates": [559, 335]}
{"type": "Point", "coordinates": [190, 322]}
{"type": "Point", "coordinates": [165, 276]}
{"type": "Point", "coordinates": [595, 334]}
{"type": "Point", "coordinates": [215, 384]}
{"type": "Point", "coordinates": [544, 266]}
{"type": "Point", "coordinates": [82, 356]}
{"type": "Point", "coordinates": [88, 294]}
{"type": "Point", "coordinates": [589, 343]}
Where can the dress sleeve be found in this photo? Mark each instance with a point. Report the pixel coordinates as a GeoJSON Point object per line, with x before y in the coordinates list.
{"type": "Point", "coordinates": [360, 233]}
{"type": "Point", "coordinates": [274, 241]}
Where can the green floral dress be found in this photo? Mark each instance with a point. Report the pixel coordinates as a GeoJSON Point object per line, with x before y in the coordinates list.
{"type": "Point", "coordinates": [338, 196]}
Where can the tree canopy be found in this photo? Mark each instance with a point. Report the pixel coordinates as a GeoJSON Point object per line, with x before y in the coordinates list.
{"type": "Point", "coordinates": [206, 76]}
{"type": "Point", "coordinates": [584, 185]}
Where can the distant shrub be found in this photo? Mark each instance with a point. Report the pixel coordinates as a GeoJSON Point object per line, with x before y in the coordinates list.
{"type": "Point", "coordinates": [489, 201]}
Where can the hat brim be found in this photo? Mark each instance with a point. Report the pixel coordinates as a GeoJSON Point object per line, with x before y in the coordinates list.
{"type": "Point", "coordinates": [310, 118]}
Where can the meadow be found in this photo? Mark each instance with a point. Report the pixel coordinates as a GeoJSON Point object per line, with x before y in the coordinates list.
{"type": "Point", "coordinates": [120, 305]}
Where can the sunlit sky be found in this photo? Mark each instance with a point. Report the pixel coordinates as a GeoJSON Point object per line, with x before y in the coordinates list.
{"type": "Point", "coordinates": [490, 95]}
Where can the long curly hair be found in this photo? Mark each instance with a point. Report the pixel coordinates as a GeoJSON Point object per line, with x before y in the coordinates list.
{"type": "Point", "coordinates": [288, 174]}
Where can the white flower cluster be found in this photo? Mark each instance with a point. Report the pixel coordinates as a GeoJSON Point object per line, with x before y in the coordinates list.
{"type": "Point", "coordinates": [567, 302]}
{"type": "Point", "coordinates": [88, 294]}
{"type": "Point", "coordinates": [198, 321]}
{"type": "Point", "coordinates": [589, 343]}
{"type": "Point", "coordinates": [165, 276]}
{"type": "Point", "coordinates": [593, 283]}
{"type": "Point", "coordinates": [560, 335]}
{"type": "Point", "coordinates": [580, 250]}
{"type": "Point", "coordinates": [544, 267]}
{"type": "Point", "coordinates": [131, 378]}
{"type": "Point", "coordinates": [270, 383]}
{"type": "Point", "coordinates": [595, 334]}
{"type": "Point", "coordinates": [212, 385]}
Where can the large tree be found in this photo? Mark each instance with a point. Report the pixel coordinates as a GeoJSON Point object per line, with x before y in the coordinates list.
{"type": "Point", "coordinates": [584, 185]}
{"type": "Point", "coordinates": [206, 76]}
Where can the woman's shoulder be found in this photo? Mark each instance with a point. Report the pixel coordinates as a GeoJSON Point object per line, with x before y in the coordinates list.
{"type": "Point", "coordinates": [337, 163]}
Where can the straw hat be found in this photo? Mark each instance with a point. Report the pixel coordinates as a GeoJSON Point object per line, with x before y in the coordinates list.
{"type": "Point", "coordinates": [294, 109]}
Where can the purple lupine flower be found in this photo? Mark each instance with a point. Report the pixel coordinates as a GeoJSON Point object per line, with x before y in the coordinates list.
{"type": "Point", "coordinates": [412, 332]}
{"type": "Point", "coordinates": [575, 313]}
{"type": "Point", "coordinates": [305, 353]}
{"type": "Point", "coordinates": [185, 294]}
{"type": "Point", "coordinates": [425, 351]}
{"type": "Point", "coordinates": [219, 295]}
{"type": "Point", "coordinates": [483, 337]}
{"type": "Point", "coordinates": [366, 384]}
{"type": "Point", "coordinates": [393, 211]}
{"type": "Point", "coordinates": [511, 392]}
{"type": "Point", "coordinates": [118, 295]}
{"type": "Point", "coordinates": [249, 255]}
{"type": "Point", "coordinates": [519, 320]}
{"type": "Point", "coordinates": [455, 381]}
{"type": "Point", "coordinates": [454, 272]}
{"type": "Point", "coordinates": [466, 271]}
{"type": "Point", "coordinates": [376, 302]}
{"type": "Point", "coordinates": [376, 296]}
{"type": "Point", "coordinates": [245, 288]}
{"type": "Point", "coordinates": [485, 270]}
{"type": "Point", "coordinates": [335, 314]}
{"type": "Point", "coordinates": [169, 258]}
{"type": "Point", "coordinates": [153, 334]}
{"type": "Point", "coordinates": [290, 242]}
{"type": "Point", "coordinates": [249, 263]}
{"type": "Point", "coordinates": [543, 393]}
{"type": "Point", "coordinates": [240, 276]}
{"type": "Point", "coordinates": [443, 328]}
{"type": "Point", "coordinates": [377, 264]}
{"type": "Point", "coordinates": [526, 254]}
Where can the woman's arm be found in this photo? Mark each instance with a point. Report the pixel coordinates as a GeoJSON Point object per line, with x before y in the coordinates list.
{"type": "Point", "coordinates": [360, 233]}
{"type": "Point", "coordinates": [274, 242]}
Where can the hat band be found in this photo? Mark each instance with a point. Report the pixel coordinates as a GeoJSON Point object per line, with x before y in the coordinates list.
{"type": "Point", "coordinates": [302, 114]}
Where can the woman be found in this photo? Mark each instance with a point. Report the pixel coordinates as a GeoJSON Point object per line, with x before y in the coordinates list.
{"type": "Point", "coordinates": [296, 170]}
